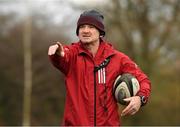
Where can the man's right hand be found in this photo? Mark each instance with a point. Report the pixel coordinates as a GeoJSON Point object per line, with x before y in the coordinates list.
{"type": "Point", "coordinates": [56, 49]}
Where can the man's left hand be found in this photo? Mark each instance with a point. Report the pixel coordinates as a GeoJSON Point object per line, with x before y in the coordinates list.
{"type": "Point", "coordinates": [133, 106]}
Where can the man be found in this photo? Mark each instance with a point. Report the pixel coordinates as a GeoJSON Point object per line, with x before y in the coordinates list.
{"type": "Point", "coordinates": [90, 67]}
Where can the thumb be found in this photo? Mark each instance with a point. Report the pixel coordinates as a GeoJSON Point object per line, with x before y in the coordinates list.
{"type": "Point", "coordinates": [127, 99]}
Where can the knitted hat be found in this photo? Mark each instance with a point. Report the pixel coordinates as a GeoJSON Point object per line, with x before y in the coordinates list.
{"type": "Point", "coordinates": [91, 17]}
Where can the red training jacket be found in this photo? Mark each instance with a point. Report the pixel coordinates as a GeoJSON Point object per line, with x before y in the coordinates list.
{"type": "Point", "coordinates": [89, 96]}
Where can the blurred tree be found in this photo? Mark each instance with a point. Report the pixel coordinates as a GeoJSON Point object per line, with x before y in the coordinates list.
{"type": "Point", "coordinates": [48, 87]}
{"type": "Point", "coordinates": [48, 84]}
{"type": "Point", "coordinates": [11, 71]}
{"type": "Point", "coordinates": [143, 29]}
{"type": "Point", "coordinates": [27, 67]}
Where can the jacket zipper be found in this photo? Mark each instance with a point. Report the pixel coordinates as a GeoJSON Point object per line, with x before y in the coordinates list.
{"type": "Point", "coordinates": [102, 65]}
{"type": "Point", "coordinates": [94, 97]}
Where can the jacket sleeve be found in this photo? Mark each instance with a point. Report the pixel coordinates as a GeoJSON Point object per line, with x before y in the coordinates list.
{"type": "Point", "coordinates": [128, 66]}
{"type": "Point", "coordinates": [62, 63]}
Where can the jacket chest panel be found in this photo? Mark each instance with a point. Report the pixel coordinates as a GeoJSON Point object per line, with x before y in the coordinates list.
{"type": "Point", "coordinates": [84, 73]}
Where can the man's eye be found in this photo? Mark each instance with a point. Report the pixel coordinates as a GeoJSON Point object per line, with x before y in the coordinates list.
{"type": "Point", "coordinates": [81, 26]}
{"type": "Point", "coordinates": [91, 26]}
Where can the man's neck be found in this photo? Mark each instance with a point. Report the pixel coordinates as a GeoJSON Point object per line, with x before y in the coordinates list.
{"type": "Point", "coordinates": [92, 47]}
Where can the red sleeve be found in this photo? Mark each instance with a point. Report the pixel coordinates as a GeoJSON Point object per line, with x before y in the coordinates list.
{"type": "Point", "coordinates": [62, 63]}
{"type": "Point", "coordinates": [128, 66]}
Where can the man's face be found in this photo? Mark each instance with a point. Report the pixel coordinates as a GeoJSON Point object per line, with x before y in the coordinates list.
{"type": "Point", "coordinates": [88, 34]}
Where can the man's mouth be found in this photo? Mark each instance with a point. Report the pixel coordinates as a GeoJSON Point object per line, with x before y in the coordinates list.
{"type": "Point", "coordinates": [86, 36]}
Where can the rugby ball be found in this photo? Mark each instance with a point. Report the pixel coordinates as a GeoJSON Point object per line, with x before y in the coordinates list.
{"type": "Point", "coordinates": [125, 85]}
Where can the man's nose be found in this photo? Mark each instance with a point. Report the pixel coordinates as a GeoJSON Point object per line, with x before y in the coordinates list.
{"type": "Point", "coordinates": [86, 29]}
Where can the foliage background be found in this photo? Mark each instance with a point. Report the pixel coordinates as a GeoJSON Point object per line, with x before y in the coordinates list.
{"type": "Point", "coordinates": [147, 31]}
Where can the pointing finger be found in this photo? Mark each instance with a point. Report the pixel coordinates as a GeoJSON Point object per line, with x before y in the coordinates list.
{"type": "Point", "coordinates": [61, 49]}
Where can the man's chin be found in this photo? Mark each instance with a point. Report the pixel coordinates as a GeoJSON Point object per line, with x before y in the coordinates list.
{"type": "Point", "coordinates": [85, 41]}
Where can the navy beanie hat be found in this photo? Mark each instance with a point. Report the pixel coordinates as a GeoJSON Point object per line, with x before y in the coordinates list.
{"type": "Point", "coordinates": [91, 17]}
